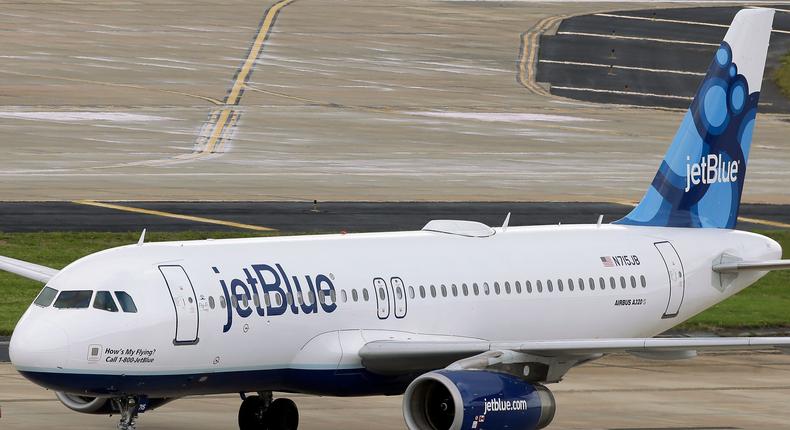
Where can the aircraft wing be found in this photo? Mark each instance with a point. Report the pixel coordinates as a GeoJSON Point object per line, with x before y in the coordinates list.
{"type": "Point", "coordinates": [32, 271]}
{"type": "Point", "coordinates": [752, 265]}
{"type": "Point", "coordinates": [389, 357]}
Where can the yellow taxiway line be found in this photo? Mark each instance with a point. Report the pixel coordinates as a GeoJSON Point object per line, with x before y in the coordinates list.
{"type": "Point", "coordinates": [529, 48]}
{"type": "Point", "coordinates": [234, 96]}
{"type": "Point", "coordinates": [172, 215]}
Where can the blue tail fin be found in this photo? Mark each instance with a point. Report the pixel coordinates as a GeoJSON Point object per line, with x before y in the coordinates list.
{"type": "Point", "coordinates": [699, 183]}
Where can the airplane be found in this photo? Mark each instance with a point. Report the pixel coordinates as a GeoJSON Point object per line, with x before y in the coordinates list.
{"type": "Point", "coordinates": [468, 322]}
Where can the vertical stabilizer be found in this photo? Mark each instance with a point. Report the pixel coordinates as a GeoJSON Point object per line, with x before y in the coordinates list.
{"type": "Point", "coordinates": [700, 180]}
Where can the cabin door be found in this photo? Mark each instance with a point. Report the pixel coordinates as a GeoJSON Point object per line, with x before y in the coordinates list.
{"type": "Point", "coordinates": [676, 278]}
{"type": "Point", "coordinates": [184, 302]}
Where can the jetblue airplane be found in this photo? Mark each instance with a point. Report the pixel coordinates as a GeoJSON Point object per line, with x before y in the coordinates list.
{"type": "Point", "coordinates": [467, 321]}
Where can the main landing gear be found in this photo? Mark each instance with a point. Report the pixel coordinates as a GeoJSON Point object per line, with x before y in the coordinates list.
{"type": "Point", "coordinates": [262, 413]}
{"type": "Point", "coordinates": [129, 408]}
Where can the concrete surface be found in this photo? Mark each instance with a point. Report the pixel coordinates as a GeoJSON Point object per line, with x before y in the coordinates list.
{"type": "Point", "coordinates": [714, 391]}
{"type": "Point", "coordinates": [410, 100]}
{"type": "Point", "coordinates": [331, 216]}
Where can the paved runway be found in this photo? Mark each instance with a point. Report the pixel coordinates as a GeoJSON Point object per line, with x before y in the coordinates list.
{"type": "Point", "coordinates": [638, 56]}
{"type": "Point", "coordinates": [713, 391]}
{"type": "Point", "coordinates": [346, 101]}
{"type": "Point", "coordinates": [329, 217]}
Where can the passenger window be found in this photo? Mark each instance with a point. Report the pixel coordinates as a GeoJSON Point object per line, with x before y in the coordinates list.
{"type": "Point", "coordinates": [529, 287]}
{"type": "Point", "coordinates": [622, 282]}
{"type": "Point", "coordinates": [267, 300]}
{"type": "Point", "coordinates": [518, 287]}
{"type": "Point", "coordinates": [540, 286]}
{"type": "Point", "coordinates": [476, 288]}
{"type": "Point", "coordinates": [633, 282]}
{"type": "Point", "coordinates": [104, 302]}
{"type": "Point", "coordinates": [507, 287]}
{"type": "Point", "coordinates": [256, 301]}
{"type": "Point", "coordinates": [644, 282]}
{"type": "Point", "coordinates": [311, 296]}
{"type": "Point", "coordinates": [444, 291]}
{"type": "Point", "coordinates": [411, 292]}
{"type": "Point", "coordinates": [289, 297]}
{"type": "Point", "coordinates": [581, 284]}
{"type": "Point", "coordinates": [222, 302]}
{"type": "Point", "coordinates": [591, 283]}
{"type": "Point", "coordinates": [343, 296]}
{"type": "Point", "coordinates": [496, 288]}
{"type": "Point", "coordinates": [354, 295]}
{"type": "Point", "coordinates": [455, 290]}
{"type": "Point", "coordinates": [559, 284]}
{"type": "Point", "coordinates": [486, 289]}
{"type": "Point", "coordinates": [365, 294]}
{"type": "Point", "coordinates": [602, 284]}
{"type": "Point", "coordinates": [126, 302]}
{"type": "Point", "coordinates": [612, 283]}
{"type": "Point", "coordinates": [549, 286]}
{"type": "Point", "coordinates": [245, 302]}
{"type": "Point", "coordinates": [211, 303]}
{"type": "Point", "coordinates": [570, 284]}
{"type": "Point", "coordinates": [279, 299]}
{"type": "Point", "coordinates": [74, 299]}
{"type": "Point", "coordinates": [433, 291]}
{"type": "Point", "coordinates": [422, 292]}
{"type": "Point", "coordinates": [45, 297]}
{"type": "Point", "coordinates": [465, 289]}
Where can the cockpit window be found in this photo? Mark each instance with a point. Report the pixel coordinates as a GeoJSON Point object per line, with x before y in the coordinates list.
{"type": "Point", "coordinates": [46, 296]}
{"type": "Point", "coordinates": [74, 299]}
{"type": "Point", "coordinates": [127, 304]}
{"type": "Point", "coordinates": [105, 302]}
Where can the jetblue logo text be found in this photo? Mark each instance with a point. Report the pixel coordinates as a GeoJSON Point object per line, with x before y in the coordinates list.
{"type": "Point", "coordinates": [269, 291]}
{"type": "Point", "coordinates": [499, 405]}
{"type": "Point", "coordinates": [710, 170]}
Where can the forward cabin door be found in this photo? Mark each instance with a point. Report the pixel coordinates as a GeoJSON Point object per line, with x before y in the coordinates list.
{"type": "Point", "coordinates": [676, 278]}
{"type": "Point", "coordinates": [185, 303]}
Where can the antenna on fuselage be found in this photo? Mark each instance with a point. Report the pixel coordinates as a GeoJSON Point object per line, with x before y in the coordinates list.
{"type": "Point", "coordinates": [142, 239]}
{"type": "Point", "coordinates": [600, 220]}
{"type": "Point", "coordinates": [506, 223]}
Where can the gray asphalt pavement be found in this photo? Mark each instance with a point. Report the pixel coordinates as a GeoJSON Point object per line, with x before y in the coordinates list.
{"type": "Point", "coordinates": [662, 45]}
{"type": "Point", "coordinates": [331, 216]}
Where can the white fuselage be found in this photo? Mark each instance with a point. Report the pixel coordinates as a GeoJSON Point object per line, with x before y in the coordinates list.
{"type": "Point", "coordinates": [485, 288]}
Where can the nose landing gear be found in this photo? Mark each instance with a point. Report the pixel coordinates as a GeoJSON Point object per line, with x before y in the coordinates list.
{"type": "Point", "coordinates": [262, 413]}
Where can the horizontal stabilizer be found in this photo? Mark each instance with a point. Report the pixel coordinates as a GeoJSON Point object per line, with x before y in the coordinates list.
{"type": "Point", "coordinates": [752, 265]}
{"type": "Point", "coordinates": [32, 271]}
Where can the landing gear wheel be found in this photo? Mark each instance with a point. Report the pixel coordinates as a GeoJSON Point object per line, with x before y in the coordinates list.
{"type": "Point", "coordinates": [282, 415]}
{"type": "Point", "coordinates": [253, 414]}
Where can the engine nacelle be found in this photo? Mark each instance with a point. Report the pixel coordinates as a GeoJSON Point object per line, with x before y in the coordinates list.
{"type": "Point", "coordinates": [101, 405]}
{"type": "Point", "coordinates": [476, 399]}
{"type": "Point", "coordinates": [86, 404]}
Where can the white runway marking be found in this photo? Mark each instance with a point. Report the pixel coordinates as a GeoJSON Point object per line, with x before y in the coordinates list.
{"type": "Point", "coordinates": [674, 21]}
{"type": "Point", "coordinates": [646, 39]}
{"type": "Point", "coordinates": [503, 116]}
{"type": "Point", "coordinates": [628, 93]}
{"type": "Point", "coordinates": [83, 116]}
{"type": "Point", "coordinates": [642, 69]}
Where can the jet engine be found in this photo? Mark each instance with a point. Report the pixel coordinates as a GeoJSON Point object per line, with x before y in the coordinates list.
{"type": "Point", "coordinates": [99, 405]}
{"type": "Point", "coordinates": [476, 399]}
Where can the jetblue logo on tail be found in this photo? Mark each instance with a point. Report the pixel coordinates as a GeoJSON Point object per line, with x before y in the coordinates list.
{"type": "Point", "coordinates": [710, 170]}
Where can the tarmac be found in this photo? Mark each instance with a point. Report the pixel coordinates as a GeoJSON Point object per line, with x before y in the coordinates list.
{"type": "Point", "coordinates": [649, 57]}
{"type": "Point", "coordinates": [340, 101]}
{"type": "Point", "coordinates": [301, 217]}
{"type": "Point", "coordinates": [713, 391]}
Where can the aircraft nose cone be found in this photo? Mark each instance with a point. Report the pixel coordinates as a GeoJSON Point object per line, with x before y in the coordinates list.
{"type": "Point", "coordinates": [38, 344]}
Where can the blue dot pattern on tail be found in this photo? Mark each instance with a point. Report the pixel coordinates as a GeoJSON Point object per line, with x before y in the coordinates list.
{"type": "Point", "coordinates": [700, 180]}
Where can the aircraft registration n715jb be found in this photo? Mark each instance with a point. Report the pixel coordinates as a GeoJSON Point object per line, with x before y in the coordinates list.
{"type": "Point", "coordinates": [469, 321]}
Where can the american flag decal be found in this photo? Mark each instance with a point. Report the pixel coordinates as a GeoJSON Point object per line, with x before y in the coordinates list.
{"type": "Point", "coordinates": [607, 261]}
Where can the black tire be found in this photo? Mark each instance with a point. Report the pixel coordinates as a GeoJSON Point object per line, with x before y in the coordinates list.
{"type": "Point", "coordinates": [282, 415]}
{"type": "Point", "coordinates": [253, 414]}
